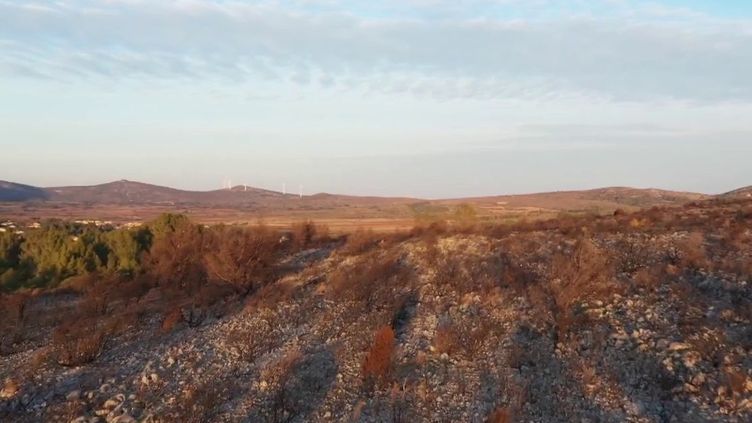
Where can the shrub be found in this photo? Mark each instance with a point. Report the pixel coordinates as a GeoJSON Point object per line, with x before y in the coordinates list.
{"type": "Point", "coordinates": [171, 319]}
{"type": "Point", "coordinates": [377, 364]}
{"type": "Point", "coordinates": [445, 340]}
{"type": "Point", "coordinates": [360, 241]}
{"type": "Point", "coordinates": [240, 256]}
{"type": "Point", "coordinates": [583, 274]}
{"type": "Point", "coordinates": [75, 343]}
{"type": "Point", "coordinates": [303, 234]}
{"type": "Point", "coordinates": [367, 279]}
{"type": "Point", "coordinates": [175, 258]}
{"type": "Point", "coordinates": [500, 415]}
{"type": "Point", "coordinates": [693, 253]}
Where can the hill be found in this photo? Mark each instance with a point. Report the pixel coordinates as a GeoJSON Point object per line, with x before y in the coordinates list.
{"type": "Point", "coordinates": [11, 191]}
{"type": "Point", "coordinates": [128, 201]}
{"type": "Point", "coordinates": [745, 192]}
{"type": "Point", "coordinates": [129, 192]}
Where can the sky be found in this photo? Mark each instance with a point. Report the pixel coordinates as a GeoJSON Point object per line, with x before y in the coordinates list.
{"type": "Point", "coordinates": [424, 98]}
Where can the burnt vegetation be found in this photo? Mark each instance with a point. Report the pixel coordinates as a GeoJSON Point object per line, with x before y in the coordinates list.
{"type": "Point", "coordinates": [554, 320]}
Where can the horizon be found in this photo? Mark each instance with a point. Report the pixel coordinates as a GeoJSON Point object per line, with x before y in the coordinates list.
{"type": "Point", "coordinates": [235, 187]}
{"type": "Point", "coordinates": [423, 98]}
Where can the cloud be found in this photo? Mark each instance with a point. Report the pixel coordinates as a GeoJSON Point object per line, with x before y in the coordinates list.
{"type": "Point", "coordinates": [635, 54]}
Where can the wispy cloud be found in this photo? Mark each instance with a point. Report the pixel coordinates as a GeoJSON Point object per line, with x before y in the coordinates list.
{"type": "Point", "coordinates": [632, 56]}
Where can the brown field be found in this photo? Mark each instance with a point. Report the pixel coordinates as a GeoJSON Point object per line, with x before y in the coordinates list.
{"type": "Point", "coordinates": [341, 214]}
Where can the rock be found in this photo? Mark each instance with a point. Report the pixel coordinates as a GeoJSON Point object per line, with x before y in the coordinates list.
{"type": "Point", "coordinates": [73, 395]}
{"type": "Point", "coordinates": [114, 401]}
{"type": "Point", "coordinates": [698, 379]}
{"type": "Point", "coordinates": [123, 418]}
{"type": "Point", "coordinates": [10, 389]}
{"type": "Point", "coordinates": [678, 346]}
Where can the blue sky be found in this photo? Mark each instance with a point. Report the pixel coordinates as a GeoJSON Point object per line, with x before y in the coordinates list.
{"type": "Point", "coordinates": [428, 98]}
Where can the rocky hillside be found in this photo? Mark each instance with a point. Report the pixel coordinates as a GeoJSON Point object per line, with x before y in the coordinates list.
{"type": "Point", "coordinates": [643, 317]}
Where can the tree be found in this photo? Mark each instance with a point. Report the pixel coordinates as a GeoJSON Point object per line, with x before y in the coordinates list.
{"type": "Point", "coordinates": [240, 256]}
{"type": "Point", "coordinates": [175, 257]}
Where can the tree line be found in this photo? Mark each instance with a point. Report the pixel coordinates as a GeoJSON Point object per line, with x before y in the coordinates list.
{"type": "Point", "coordinates": [170, 249]}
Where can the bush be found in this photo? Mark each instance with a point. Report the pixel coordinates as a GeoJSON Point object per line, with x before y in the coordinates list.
{"type": "Point", "coordinates": [303, 234]}
{"type": "Point", "coordinates": [693, 253]}
{"type": "Point", "coordinates": [585, 274]}
{"type": "Point", "coordinates": [240, 256]}
{"type": "Point", "coordinates": [175, 258]}
{"type": "Point", "coordinates": [360, 241]}
{"type": "Point", "coordinates": [75, 343]}
{"type": "Point", "coordinates": [377, 364]}
{"type": "Point", "coordinates": [500, 415]}
{"type": "Point", "coordinates": [373, 275]}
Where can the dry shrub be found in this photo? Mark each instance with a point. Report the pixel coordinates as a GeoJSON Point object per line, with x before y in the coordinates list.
{"type": "Point", "coordinates": [374, 274]}
{"type": "Point", "coordinates": [693, 253]}
{"type": "Point", "coordinates": [466, 337]}
{"type": "Point", "coordinates": [247, 343]}
{"type": "Point", "coordinates": [445, 340]}
{"type": "Point", "coordinates": [272, 294]}
{"type": "Point", "coordinates": [77, 342]}
{"type": "Point", "coordinates": [304, 234]}
{"type": "Point", "coordinates": [431, 231]}
{"type": "Point", "coordinates": [649, 277]}
{"type": "Point", "coordinates": [174, 260]}
{"type": "Point", "coordinates": [172, 319]}
{"type": "Point", "coordinates": [360, 241]}
{"type": "Point", "coordinates": [240, 256]}
{"type": "Point", "coordinates": [12, 307]}
{"type": "Point", "coordinates": [201, 403]}
{"type": "Point", "coordinates": [585, 274]}
{"type": "Point", "coordinates": [500, 415]}
{"type": "Point", "coordinates": [735, 381]}
{"type": "Point", "coordinates": [377, 365]}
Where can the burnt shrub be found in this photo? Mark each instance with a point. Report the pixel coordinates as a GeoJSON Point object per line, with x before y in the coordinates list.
{"type": "Point", "coordinates": [500, 415]}
{"type": "Point", "coordinates": [361, 241]}
{"type": "Point", "coordinates": [240, 256]}
{"type": "Point", "coordinates": [175, 259]}
{"type": "Point", "coordinates": [369, 281]}
{"type": "Point", "coordinates": [693, 253]}
{"type": "Point", "coordinates": [77, 342]}
{"type": "Point", "coordinates": [585, 274]}
{"type": "Point", "coordinates": [377, 365]}
{"type": "Point", "coordinates": [304, 234]}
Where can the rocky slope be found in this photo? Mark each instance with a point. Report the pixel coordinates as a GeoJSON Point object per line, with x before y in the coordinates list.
{"type": "Point", "coordinates": [629, 323]}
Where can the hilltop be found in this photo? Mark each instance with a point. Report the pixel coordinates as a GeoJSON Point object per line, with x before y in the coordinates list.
{"type": "Point", "coordinates": [745, 192]}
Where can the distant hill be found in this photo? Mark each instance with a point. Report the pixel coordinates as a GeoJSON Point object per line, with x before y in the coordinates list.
{"type": "Point", "coordinates": [745, 192]}
{"type": "Point", "coordinates": [251, 199]}
{"type": "Point", "coordinates": [609, 198]}
{"type": "Point", "coordinates": [129, 192]}
{"type": "Point", "coordinates": [11, 191]}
